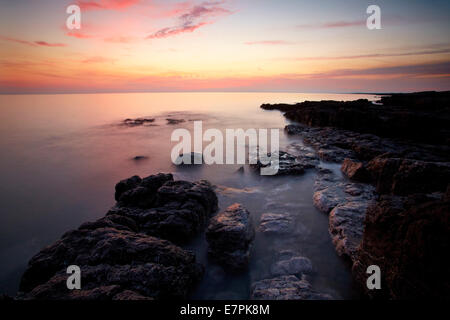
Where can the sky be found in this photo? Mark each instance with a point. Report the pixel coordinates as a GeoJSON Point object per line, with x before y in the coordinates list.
{"type": "Point", "coordinates": [224, 45]}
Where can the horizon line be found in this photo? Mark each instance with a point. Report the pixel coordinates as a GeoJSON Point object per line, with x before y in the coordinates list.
{"type": "Point", "coordinates": [215, 91]}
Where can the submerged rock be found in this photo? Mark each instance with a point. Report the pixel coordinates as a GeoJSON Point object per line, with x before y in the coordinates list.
{"type": "Point", "coordinates": [228, 191]}
{"type": "Point", "coordinates": [229, 236]}
{"type": "Point", "coordinates": [140, 158]}
{"type": "Point", "coordinates": [296, 265]}
{"type": "Point", "coordinates": [276, 223]}
{"type": "Point", "coordinates": [304, 155]}
{"type": "Point", "coordinates": [285, 288]}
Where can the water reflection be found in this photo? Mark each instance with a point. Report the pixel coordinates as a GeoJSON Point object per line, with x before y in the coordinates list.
{"type": "Point", "coordinates": [62, 155]}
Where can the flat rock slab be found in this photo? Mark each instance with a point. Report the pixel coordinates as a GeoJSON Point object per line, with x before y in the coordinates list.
{"type": "Point", "coordinates": [276, 223]}
{"type": "Point", "coordinates": [296, 265]}
{"type": "Point", "coordinates": [285, 288]}
{"type": "Point", "coordinates": [289, 164]}
{"type": "Point", "coordinates": [229, 236]}
{"type": "Point", "coordinates": [347, 203]}
{"type": "Point", "coordinates": [346, 227]}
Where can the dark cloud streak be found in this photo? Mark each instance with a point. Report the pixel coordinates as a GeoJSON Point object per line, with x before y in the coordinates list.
{"type": "Point", "coordinates": [195, 18]}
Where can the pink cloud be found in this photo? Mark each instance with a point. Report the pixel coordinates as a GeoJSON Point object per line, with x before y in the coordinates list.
{"type": "Point", "coordinates": [375, 55]}
{"type": "Point", "coordinates": [46, 44]}
{"type": "Point", "coordinates": [192, 18]}
{"type": "Point", "coordinates": [167, 32]}
{"type": "Point", "coordinates": [334, 24]}
{"type": "Point", "coordinates": [78, 35]}
{"type": "Point", "coordinates": [107, 4]}
{"type": "Point", "coordinates": [391, 20]}
{"type": "Point", "coordinates": [33, 43]}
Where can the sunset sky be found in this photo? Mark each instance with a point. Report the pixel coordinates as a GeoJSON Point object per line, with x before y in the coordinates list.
{"type": "Point", "coordinates": [229, 45]}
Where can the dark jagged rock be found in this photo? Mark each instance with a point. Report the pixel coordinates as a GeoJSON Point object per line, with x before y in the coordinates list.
{"type": "Point", "coordinates": [126, 185]}
{"type": "Point", "coordinates": [130, 295]}
{"type": "Point", "coordinates": [118, 258]}
{"type": "Point", "coordinates": [119, 222]}
{"type": "Point", "coordinates": [111, 261]}
{"type": "Point", "coordinates": [229, 236]}
{"type": "Point", "coordinates": [174, 192]}
{"type": "Point", "coordinates": [140, 158]}
{"type": "Point", "coordinates": [137, 122]}
{"type": "Point", "coordinates": [159, 206]}
{"type": "Point", "coordinates": [446, 196]}
{"type": "Point", "coordinates": [355, 170]}
{"type": "Point", "coordinates": [399, 118]}
{"type": "Point", "coordinates": [409, 239]}
{"type": "Point", "coordinates": [285, 288]}
{"type": "Point", "coordinates": [140, 193]}
{"type": "Point", "coordinates": [402, 147]}
{"type": "Point", "coordinates": [405, 176]}
{"type": "Point", "coordinates": [290, 164]}
{"type": "Point", "coordinates": [171, 121]}
{"type": "Point", "coordinates": [4, 297]}
{"type": "Point", "coordinates": [334, 145]}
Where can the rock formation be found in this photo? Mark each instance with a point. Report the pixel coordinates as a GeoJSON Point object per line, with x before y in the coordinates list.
{"type": "Point", "coordinates": [401, 223]}
{"type": "Point", "coordinates": [229, 236]}
{"type": "Point", "coordinates": [126, 255]}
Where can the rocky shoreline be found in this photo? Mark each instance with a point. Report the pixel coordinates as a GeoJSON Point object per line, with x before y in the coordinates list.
{"type": "Point", "coordinates": [129, 253]}
{"type": "Point", "coordinates": [133, 252]}
{"type": "Point", "coordinates": [391, 206]}
{"type": "Point", "coordinates": [387, 206]}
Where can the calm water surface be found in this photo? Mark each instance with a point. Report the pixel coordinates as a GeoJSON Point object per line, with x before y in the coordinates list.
{"type": "Point", "coordinates": [62, 155]}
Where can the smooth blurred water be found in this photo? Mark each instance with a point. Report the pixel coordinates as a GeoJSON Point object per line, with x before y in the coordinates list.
{"type": "Point", "coordinates": [61, 156]}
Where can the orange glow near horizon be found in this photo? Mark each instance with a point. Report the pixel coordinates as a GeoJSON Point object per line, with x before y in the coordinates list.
{"type": "Point", "coordinates": [132, 45]}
